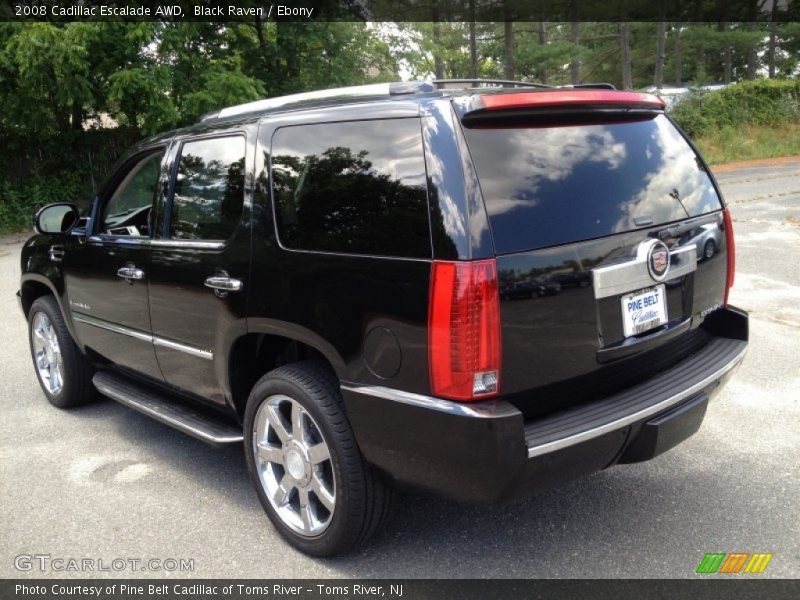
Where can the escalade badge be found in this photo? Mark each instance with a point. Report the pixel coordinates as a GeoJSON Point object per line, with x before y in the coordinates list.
{"type": "Point", "coordinates": [658, 261]}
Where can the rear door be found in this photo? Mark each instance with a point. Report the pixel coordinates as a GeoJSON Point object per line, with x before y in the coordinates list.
{"type": "Point", "coordinates": [200, 262]}
{"type": "Point", "coordinates": [603, 211]}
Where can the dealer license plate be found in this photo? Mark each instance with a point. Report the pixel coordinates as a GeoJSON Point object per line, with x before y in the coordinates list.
{"type": "Point", "coordinates": [643, 310]}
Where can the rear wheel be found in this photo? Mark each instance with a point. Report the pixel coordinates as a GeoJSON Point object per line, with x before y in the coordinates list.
{"type": "Point", "coordinates": [710, 249]}
{"type": "Point", "coordinates": [63, 371]}
{"type": "Point", "coordinates": [304, 462]}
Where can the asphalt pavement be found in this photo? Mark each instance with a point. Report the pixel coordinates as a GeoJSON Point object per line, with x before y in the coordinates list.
{"type": "Point", "coordinates": [103, 482]}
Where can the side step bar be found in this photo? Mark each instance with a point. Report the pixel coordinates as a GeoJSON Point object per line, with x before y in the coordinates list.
{"type": "Point", "coordinates": [182, 418]}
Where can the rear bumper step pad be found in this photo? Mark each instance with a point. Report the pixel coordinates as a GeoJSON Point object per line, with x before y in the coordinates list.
{"type": "Point", "coordinates": [686, 379]}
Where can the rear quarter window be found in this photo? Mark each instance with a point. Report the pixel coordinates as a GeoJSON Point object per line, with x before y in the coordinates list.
{"type": "Point", "coordinates": [209, 189]}
{"type": "Point", "coordinates": [546, 185]}
{"type": "Point", "coordinates": [354, 187]}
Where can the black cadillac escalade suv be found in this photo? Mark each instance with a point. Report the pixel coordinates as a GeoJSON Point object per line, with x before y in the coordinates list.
{"type": "Point", "coordinates": [332, 280]}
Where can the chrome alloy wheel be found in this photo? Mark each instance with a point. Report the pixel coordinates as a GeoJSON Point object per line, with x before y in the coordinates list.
{"type": "Point", "coordinates": [47, 353]}
{"type": "Point", "coordinates": [294, 465]}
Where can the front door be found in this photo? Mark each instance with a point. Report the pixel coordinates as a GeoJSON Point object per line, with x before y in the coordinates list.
{"type": "Point", "coordinates": [106, 275]}
{"type": "Point", "coordinates": [200, 264]}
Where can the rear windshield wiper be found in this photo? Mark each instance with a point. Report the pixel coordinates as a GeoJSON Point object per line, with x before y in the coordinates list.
{"type": "Point", "coordinates": [677, 230]}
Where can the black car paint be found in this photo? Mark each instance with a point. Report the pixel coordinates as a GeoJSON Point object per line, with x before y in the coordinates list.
{"type": "Point", "coordinates": [331, 302]}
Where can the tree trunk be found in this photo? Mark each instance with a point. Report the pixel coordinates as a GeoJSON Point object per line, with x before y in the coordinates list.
{"type": "Point", "coordinates": [438, 63]}
{"type": "Point", "coordinates": [678, 57]}
{"type": "Point", "coordinates": [727, 54]}
{"type": "Point", "coordinates": [267, 57]}
{"type": "Point", "coordinates": [625, 46]}
{"type": "Point", "coordinates": [728, 65]}
{"type": "Point", "coordinates": [727, 60]}
{"type": "Point", "coordinates": [752, 55]}
{"type": "Point", "coordinates": [543, 42]}
{"type": "Point", "coordinates": [752, 50]}
{"type": "Point", "coordinates": [773, 39]}
{"type": "Point", "coordinates": [660, 53]}
{"type": "Point", "coordinates": [510, 58]}
{"type": "Point", "coordinates": [133, 121]}
{"type": "Point", "coordinates": [473, 49]}
{"type": "Point", "coordinates": [287, 57]}
{"type": "Point", "coordinates": [575, 65]}
{"type": "Point", "coordinates": [700, 51]}
{"type": "Point", "coordinates": [76, 117]}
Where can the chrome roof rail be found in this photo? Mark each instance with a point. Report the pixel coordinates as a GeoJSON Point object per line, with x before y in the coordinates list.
{"type": "Point", "coordinates": [444, 83]}
{"type": "Point", "coordinates": [371, 91]}
{"type": "Point", "coordinates": [591, 86]}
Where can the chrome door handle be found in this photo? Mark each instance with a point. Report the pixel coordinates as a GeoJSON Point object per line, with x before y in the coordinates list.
{"type": "Point", "coordinates": [222, 283]}
{"type": "Point", "coordinates": [130, 272]}
{"type": "Point", "coordinates": [56, 253]}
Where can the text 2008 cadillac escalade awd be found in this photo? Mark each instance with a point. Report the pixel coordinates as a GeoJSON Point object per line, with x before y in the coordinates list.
{"type": "Point", "coordinates": [477, 289]}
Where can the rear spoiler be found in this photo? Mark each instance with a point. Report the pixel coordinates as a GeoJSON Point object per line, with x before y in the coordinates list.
{"type": "Point", "coordinates": [560, 100]}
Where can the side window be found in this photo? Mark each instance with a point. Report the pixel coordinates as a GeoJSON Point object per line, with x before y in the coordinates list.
{"type": "Point", "coordinates": [209, 189]}
{"type": "Point", "coordinates": [356, 187]}
{"type": "Point", "coordinates": [129, 210]}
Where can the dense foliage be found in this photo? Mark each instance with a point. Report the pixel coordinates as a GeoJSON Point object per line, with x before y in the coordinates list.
{"type": "Point", "coordinates": [73, 96]}
{"type": "Point", "coordinates": [762, 102]}
{"type": "Point", "coordinates": [62, 85]}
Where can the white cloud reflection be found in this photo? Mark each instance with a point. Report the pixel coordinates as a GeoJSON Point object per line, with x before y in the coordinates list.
{"type": "Point", "coordinates": [561, 184]}
{"type": "Point", "coordinates": [552, 158]}
{"type": "Point", "coordinates": [675, 188]}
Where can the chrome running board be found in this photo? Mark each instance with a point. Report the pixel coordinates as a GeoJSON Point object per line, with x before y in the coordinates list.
{"type": "Point", "coordinates": [178, 416]}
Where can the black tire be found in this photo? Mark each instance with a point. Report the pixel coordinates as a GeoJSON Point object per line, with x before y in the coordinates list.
{"type": "Point", "coordinates": [362, 499]}
{"type": "Point", "coordinates": [709, 250]}
{"type": "Point", "coordinates": [76, 388]}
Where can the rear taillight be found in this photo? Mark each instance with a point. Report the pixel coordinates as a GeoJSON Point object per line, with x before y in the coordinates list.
{"type": "Point", "coordinates": [464, 330]}
{"type": "Point", "coordinates": [730, 250]}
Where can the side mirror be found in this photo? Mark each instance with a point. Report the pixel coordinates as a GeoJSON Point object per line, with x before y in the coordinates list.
{"type": "Point", "coordinates": [56, 218]}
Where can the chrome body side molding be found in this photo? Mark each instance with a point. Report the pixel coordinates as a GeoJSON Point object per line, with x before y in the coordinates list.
{"type": "Point", "coordinates": [164, 343]}
{"type": "Point", "coordinates": [483, 409]}
{"type": "Point", "coordinates": [145, 337]}
{"type": "Point", "coordinates": [157, 243]}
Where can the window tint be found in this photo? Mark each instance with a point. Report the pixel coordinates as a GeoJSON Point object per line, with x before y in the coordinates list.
{"type": "Point", "coordinates": [209, 189]}
{"type": "Point", "coordinates": [546, 186]}
{"type": "Point", "coordinates": [128, 211]}
{"type": "Point", "coordinates": [355, 187]}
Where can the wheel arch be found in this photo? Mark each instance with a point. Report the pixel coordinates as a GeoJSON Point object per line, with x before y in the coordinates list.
{"type": "Point", "coordinates": [268, 344]}
{"type": "Point", "coordinates": [32, 287]}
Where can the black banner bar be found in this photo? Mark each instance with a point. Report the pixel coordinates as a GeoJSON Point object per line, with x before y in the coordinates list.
{"type": "Point", "coordinates": [406, 589]}
{"type": "Point", "coordinates": [400, 10]}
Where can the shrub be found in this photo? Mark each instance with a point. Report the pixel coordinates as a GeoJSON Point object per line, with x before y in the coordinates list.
{"type": "Point", "coordinates": [764, 102]}
{"type": "Point", "coordinates": [20, 201]}
{"type": "Point", "coordinates": [63, 168]}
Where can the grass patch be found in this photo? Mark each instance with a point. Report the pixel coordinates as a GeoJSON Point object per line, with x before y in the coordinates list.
{"type": "Point", "coordinates": [748, 142]}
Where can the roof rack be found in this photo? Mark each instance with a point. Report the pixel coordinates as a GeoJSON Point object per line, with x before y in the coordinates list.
{"type": "Point", "coordinates": [591, 86]}
{"type": "Point", "coordinates": [443, 83]}
{"type": "Point", "coordinates": [372, 91]}
{"type": "Point", "coordinates": [378, 91]}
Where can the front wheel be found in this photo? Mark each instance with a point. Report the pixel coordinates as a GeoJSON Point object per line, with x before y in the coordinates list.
{"type": "Point", "coordinates": [63, 371]}
{"type": "Point", "coordinates": [304, 462]}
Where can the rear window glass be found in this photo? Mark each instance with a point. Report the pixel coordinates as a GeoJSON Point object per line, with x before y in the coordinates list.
{"type": "Point", "coordinates": [552, 185]}
{"type": "Point", "coordinates": [209, 189]}
{"type": "Point", "coordinates": [356, 187]}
